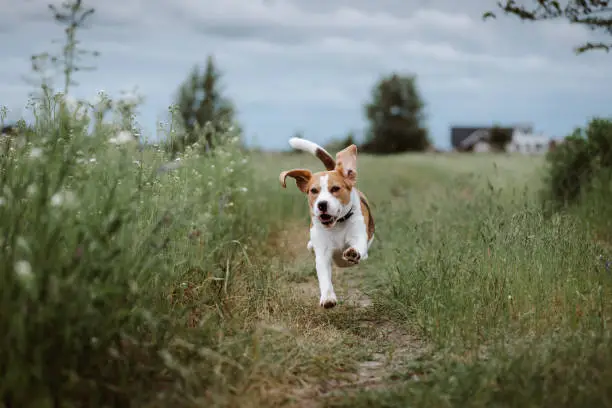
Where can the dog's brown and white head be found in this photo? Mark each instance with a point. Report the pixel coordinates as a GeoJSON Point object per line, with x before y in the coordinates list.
{"type": "Point", "coordinates": [328, 192]}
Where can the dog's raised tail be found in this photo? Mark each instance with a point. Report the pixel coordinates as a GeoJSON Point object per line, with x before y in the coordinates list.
{"type": "Point", "coordinates": [314, 149]}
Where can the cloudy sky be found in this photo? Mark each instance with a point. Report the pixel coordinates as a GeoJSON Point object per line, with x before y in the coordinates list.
{"type": "Point", "coordinates": [309, 66]}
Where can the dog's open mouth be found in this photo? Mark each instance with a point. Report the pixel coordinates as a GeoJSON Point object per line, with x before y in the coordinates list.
{"type": "Point", "coordinates": [327, 219]}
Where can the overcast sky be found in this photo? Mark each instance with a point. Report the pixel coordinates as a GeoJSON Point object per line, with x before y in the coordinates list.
{"type": "Point", "coordinates": [310, 65]}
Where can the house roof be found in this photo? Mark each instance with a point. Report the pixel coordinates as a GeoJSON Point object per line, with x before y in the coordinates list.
{"type": "Point", "coordinates": [460, 133]}
{"type": "Point", "coordinates": [465, 136]}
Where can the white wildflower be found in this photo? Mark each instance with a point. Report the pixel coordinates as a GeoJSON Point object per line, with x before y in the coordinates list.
{"type": "Point", "coordinates": [23, 269]}
{"type": "Point", "coordinates": [92, 160]}
{"type": "Point", "coordinates": [243, 189]}
{"type": "Point", "coordinates": [36, 152]}
{"type": "Point", "coordinates": [133, 287]}
{"type": "Point", "coordinates": [63, 198]}
{"type": "Point", "coordinates": [122, 137]}
{"type": "Point", "coordinates": [71, 102]}
{"type": "Point", "coordinates": [31, 190]}
{"type": "Point", "coordinates": [23, 244]}
{"type": "Point", "coordinates": [99, 98]}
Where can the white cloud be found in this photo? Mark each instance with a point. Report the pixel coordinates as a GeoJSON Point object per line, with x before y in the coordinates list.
{"type": "Point", "coordinates": [288, 15]}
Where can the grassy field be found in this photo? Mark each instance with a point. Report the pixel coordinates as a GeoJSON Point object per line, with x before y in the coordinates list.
{"type": "Point", "coordinates": [470, 296]}
{"type": "Point", "coordinates": [124, 285]}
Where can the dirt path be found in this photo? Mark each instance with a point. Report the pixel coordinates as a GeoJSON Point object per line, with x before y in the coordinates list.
{"type": "Point", "coordinates": [381, 348]}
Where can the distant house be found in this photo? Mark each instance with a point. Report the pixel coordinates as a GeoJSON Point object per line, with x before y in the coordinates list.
{"type": "Point", "coordinates": [474, 139]}
{"type": "Point", "coordinates": [528, 143]}
{"type": "Point", "coordinates": [477, 139]}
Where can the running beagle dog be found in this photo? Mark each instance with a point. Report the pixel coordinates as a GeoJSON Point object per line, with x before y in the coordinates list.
{"type": "Point", "coordinates": [341, 226]}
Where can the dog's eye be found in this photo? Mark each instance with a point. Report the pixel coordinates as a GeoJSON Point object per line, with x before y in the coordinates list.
{"type": "Point", "coordinates": [314, 190]}
{"type": "Point", "coordinates": [335, 189]}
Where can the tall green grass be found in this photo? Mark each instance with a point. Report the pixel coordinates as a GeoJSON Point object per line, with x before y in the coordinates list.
{"type": "Point", "coordinates": [516, 303]}
{"type": "Point", "coordinates": [118, 280]}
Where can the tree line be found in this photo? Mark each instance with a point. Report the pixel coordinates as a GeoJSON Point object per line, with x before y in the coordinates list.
{"type": "Point", "coordinates": [395, 112]}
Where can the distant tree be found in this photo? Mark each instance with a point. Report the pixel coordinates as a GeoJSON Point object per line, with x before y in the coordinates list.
{"type": "Point", "coordinates": [200, 102]}
{"type": "Point", "coordinates": [396, 117]}
{"type": "Point", "coordinates": [595, 15]}
{"type": "Point", "coordinates": [337, 144]}
{"type": "Point", "coordinates": [349, 140]}
{"type": "Point", "coordinates": [500, 137]}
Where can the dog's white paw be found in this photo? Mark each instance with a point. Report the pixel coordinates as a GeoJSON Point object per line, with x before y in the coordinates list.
{"type": "Point", "coordinates": [310, 247]}
{"type": "Point", "coordinates": [351, 255]}
{"type": "Point", "coordinates": [328, 301]}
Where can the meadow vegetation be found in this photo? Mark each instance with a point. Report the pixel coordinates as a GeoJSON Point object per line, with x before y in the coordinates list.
{"type": "Point", "coordinates": [132, 274]}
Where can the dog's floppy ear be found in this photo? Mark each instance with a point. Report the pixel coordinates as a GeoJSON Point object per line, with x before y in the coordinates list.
{"type": "Point", "coordinates": [302, 178]}
{"type": "Point", "coordinates": [346, 163]}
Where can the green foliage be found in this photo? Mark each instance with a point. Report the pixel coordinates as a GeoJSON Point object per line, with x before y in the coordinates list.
{"type": "Point", "coordinates": [70, 270]}
{"type": "Point", "coordinates": [200, 105]}
{"type": "Point", "coordinates": [574, 165]}
{"type": "Point", "coordinates": [559, 370]}
{"type": "Point", "coordinates": [516, 304]}
{"type": "Point", "coordinates": [596, 15]}
{"type": "Point", "coordinates": [500, 137]}
{"type": "Point", "coordinates": [396, 117]}
{"type": "Point", "coordinates": [117, 274]}
{"type": "Point", "coordinates": [106, 261]}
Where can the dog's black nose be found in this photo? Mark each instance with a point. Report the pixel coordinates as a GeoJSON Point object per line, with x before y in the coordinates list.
{"type": "Point", "coordinates": [322, 206]}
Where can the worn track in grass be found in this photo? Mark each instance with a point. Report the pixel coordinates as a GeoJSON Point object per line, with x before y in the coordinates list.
{"type": "Point", "coordinates": [382, 347]}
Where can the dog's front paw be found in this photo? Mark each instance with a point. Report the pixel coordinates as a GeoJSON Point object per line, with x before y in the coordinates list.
{"type": "Point", "coordinates": [351, 255]}
{"type": "Point", "coordinates": [328, 301]}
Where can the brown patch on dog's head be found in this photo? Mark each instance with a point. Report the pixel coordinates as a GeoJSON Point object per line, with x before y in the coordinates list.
{"type": "Point", "coordinates": [346, 164]}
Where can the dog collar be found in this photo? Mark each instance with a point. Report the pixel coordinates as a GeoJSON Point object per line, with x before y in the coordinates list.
{"type": "Point", "coordinates": [346, 217]}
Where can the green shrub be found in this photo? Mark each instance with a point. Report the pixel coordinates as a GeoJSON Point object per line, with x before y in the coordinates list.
{"type": "Point", "coordinates": [574, 164]}
{"type": "Point", "coordinates": [70, 303]}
